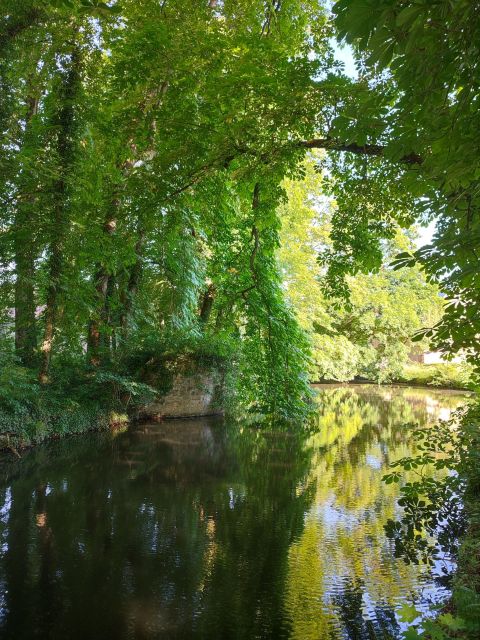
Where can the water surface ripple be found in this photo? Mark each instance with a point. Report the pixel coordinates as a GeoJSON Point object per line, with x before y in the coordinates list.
{"type": "Point", "coordinates": [198, 529]}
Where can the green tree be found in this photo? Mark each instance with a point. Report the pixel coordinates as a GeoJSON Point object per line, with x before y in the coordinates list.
{"type": "Point", "coordinates": [140, 196]}
{"type": "Point", "coordinates": [371, 334]}
{"type": "Point", "coordinates": [402, 148]}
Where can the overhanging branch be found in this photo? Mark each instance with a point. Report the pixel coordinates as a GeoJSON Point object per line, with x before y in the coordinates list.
{"type": "Point", "coordinates": [365, 150]}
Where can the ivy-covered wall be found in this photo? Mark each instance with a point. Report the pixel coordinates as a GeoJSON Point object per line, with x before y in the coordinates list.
{"type": "Point", "coordinates": [197, 394]}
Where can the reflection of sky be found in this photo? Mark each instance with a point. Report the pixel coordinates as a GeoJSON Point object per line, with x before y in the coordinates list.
{"type": "Point", "coordinates": [4, 517]}
{"type": "Point", "coordinates": [355, 572]}
{"type": "Point", "coordinates": [373, 461]}
{"type": "Point", "coordinates": [333, 517]}
{"type": "Point", "coordinates": [5, 510]}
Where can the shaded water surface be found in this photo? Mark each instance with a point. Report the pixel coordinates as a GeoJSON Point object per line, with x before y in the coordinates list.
{"type": "Point", "coordinates": [197, 529]}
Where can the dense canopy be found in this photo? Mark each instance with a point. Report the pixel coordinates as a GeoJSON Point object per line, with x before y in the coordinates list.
{"type": "Point", "coordinates": [146, 146]}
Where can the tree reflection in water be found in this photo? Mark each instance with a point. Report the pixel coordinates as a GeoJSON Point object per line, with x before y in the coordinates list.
{"type": "Point", "coordinates": [351, 609]}
{"type": "Point", "coordinates": [197, 529]}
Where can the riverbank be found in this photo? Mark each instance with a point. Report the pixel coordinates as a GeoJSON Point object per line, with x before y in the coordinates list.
{"type": "Point", "coordinates": [444, 375]}
{"type": "Point", "coordinates": [76, 401]}
{"type": "Point", "coordinates": [33, 413]}
{"type": "Point", "coordinates": [32, 425]}
{"type": "Point", "coordinates": [82, 399]}
{"type": "Point", "coordinates": [451, 375]}
{"type": "Point", "coordinates": [394, 383]}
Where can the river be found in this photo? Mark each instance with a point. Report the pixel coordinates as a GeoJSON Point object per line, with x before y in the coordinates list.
{"type": "Point", "coordinates": [203, 529]}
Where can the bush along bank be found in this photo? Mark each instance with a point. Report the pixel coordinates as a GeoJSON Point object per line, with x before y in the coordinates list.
{"type": "Point", "coordinates": [466, 593]}
{"type": "Point", "coordinates": [449, 375]}
{"type": "Point", "coordinates": [31, 413]}
{"type": "Point", "coordinates": [445, 375]}
{"type": "Point", "coordinates": [82, 398]}
{"type": "Point", "coordinates": [441, 521]}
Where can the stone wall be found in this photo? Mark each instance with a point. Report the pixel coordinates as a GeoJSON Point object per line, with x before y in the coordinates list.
{"type": "Point", "coordinates": [194, 394]}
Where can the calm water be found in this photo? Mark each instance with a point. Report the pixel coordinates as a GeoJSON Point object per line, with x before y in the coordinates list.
{"type": "Point", "coordinates": [192, 529]}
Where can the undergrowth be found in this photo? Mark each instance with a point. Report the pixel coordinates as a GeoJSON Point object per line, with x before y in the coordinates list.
{"type": "Point", "coordinates": [81, 397]}
{"type": "Point", "coordinates": [444, 374]}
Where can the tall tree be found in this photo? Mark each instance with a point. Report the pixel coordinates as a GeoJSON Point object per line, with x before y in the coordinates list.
{"type": "Point", "coordinates": [65, 124]}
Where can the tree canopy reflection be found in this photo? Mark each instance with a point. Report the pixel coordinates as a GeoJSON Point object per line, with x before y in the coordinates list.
{"type": "Point", "coordinates": [198, 529]}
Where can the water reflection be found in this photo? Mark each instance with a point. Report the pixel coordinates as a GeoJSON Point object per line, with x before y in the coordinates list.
{"type": "Point", "coordinates": [344, 580]}
{"type": "Point", "coordinates": [196, 529]}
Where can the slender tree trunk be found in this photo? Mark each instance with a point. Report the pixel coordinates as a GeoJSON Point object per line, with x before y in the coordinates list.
{"type": "Point", "coordinates": [25, 324]}
{"type": "Point", "coordinates": [128, 297]}
{"type": "Point", "coordinates": [207, 304]}
{"type": "Point", "coordinates": [110, 338]}
{"type": "Point", "coordinates": [98, 340]}
{"type": "Point", "coordinates": [100, 328]}
{"type": "Point", "coordinates": [65, 121]}
{"type": "Point", "coordinates": [24, 246]}
{"type": "Point", "coordinates": [51, 311]}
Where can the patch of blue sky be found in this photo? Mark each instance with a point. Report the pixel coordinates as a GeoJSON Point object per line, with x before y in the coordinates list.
{"type": "Point", "coordinates": [344, 54]}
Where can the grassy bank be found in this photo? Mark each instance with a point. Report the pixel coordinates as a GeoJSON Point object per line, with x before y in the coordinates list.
{"type": "Point", "coordinates": [81, 398]}
{"type": "Point", "coordinates": [446, 374]}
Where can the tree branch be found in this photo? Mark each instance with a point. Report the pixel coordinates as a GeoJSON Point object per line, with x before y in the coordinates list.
{"type": "Point", "coordinates": [365, 150]}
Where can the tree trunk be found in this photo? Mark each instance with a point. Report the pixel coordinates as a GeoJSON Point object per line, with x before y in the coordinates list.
{"type": "Point", "coordinates": [207, 304]}
{"type": "Point", "coordinates": [65, 121]}
{"type": "Point", "coordinates": [98, 340]}
{"type": "Point", "coordinates": [25, 324]}
{"type": "Point", "coordinates": [133, 283]}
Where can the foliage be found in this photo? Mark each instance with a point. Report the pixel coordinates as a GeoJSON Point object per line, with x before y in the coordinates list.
{"type": "Point", "coordinates": [147, 149]}
{"type": "Point", "coordinates": [445, 374]}
{"type": "Point", "coordinates": [437, 511]}
{"type": "Point", "coordinates": [138, 198]}
{"type": "Point", "coordinates": [371, 334]}
{"type": "Point", "coordinates": [78, 401]}
{"type": "Point", "coordinates": [411, 124]}
{"type": "Point", "coordinates": [337, 358]}
{"type": "Point", "coordinates": [413, 114]}
{"type": "Point", "coordinates": [430, 505]}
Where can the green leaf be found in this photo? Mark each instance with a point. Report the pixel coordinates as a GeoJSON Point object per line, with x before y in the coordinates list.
{"type": "Point", "coordinates": [408, 14]}
{"type": "Point", "coordinates": [454, 623]}
{"type": "Point", "coordinates": [408, 613]}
